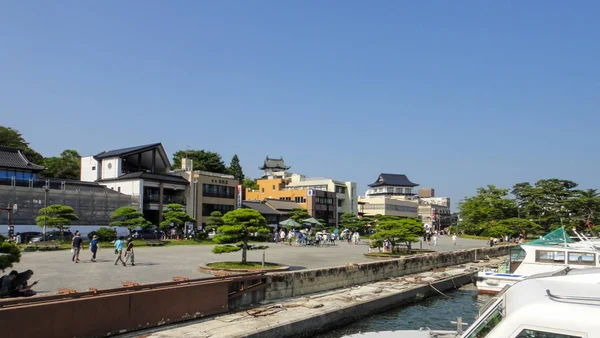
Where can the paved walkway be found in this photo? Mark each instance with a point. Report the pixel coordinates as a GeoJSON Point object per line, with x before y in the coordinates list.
{"type": "Point", "coordinates": [55, 270]}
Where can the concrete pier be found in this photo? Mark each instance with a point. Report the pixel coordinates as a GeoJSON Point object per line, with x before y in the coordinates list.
{"type": "Point", "coordinates": [322, 311]}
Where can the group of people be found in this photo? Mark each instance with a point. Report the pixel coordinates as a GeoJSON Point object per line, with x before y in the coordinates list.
{"type": "Point", "coordinates": [310, 237]}
{"type": "Point", "coordinates": [77, 245]}
{"type": "Point", "coordinates": [16, 284]}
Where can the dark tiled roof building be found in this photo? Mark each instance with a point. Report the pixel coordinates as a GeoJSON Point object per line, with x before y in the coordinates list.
{"type": "Point", "coordinates": [391, 185]}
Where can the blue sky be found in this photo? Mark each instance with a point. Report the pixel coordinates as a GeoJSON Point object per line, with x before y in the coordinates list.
{"type": "Point", "coordinates": [455, 94]}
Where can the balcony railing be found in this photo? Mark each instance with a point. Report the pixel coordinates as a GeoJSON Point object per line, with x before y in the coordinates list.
{"type": "Point", "coordinates": [167, 199]}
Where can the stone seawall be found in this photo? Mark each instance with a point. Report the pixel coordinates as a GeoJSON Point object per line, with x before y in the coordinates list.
{"type": "Point", "coordinates": [297, 283]}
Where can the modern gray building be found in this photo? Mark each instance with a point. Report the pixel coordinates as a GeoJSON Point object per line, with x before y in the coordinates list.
{"type": "Point", "coordinates": [20, 184]}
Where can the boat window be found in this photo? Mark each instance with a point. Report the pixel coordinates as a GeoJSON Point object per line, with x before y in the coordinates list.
{"type": "Point", "coordinates": [544, 256]}
{"type": "Point", "coordinates": [541, 334]}
{"type": "Point", "coordinates": [582, 258]}
{"type": "Point", "coordinates": [487, 325]}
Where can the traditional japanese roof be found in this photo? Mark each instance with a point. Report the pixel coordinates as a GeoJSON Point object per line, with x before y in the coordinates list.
{"type": "Point", "coordinates": [15, 159]}
{"type": "Point", "coordinates": [393, 180]}
{"type": "Point", "coordinates": [282, 205]}
{"type": "Point", "coordinates": [127, 151]}
{"type": "Point", "coordinates": [150, 177]}
{"type": "Point", "coordinates": [261, 207]}
{"type": "Point", "coordinates": [274, 163]}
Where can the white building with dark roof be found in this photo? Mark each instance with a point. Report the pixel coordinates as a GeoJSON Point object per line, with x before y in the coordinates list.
{"type": "Point", "coordinates": [143, 172]}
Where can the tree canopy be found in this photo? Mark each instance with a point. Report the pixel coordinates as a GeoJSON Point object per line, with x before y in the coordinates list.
{"type": "Point", "coordinates": [66, 166]}
{"type": "Point", "coordinates": [298, 214]}
{"type": "Point", "coordinates": [241, 225]}
{"type": "Point", "coordinates": [56, 216]}
{"type": "Point", "coordinates": [532, 209]}
{"type": "Point", "coordinates": [215, 220]}
{"type": "Point", "coordinates": [202, 160]}
{"type": "Point", "coordinates": [175, 216]}
{"type": "Point", "coordinates": [404, 230]}
{"type": "Point", "coordinates": [235, 169]}
{"type": "Point", "coordinates": [130, 218]}
{"type": "Point", "coordinates": [9, 254]}
{"type": "Point", "coordinates": [10, 137]}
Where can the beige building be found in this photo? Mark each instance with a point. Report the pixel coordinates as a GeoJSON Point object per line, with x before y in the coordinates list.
{"type": "Point", "coordinates": [209, 192]}
{"type": "Point", "coordinates": [388, 206]}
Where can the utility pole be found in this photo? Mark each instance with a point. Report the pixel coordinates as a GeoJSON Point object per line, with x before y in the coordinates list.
{"type": "Point", "coordinates": [10, 210]}
{"type": "Point", "coordinates": [46, 189]}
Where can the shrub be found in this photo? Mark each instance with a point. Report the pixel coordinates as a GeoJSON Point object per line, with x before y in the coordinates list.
{"type": "Point", "coordinates": [104, 235]}
{"type": "Point", "coordinates": [201, 235]}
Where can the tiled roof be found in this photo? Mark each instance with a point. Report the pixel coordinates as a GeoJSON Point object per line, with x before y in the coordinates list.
{"type": "Point", "coordinates": [261, 207]}
{"type": "Point", "coordinates": [150, 177]}
{"type": "Point", "coordinates": [393, 179]}
{"type": "Point", "coordinates": [274, 163]}
{"type": "Point", "coordinates": [126, 151]}
{"type": "Point", "coordinates": [282, 205]}
{"type": "Point", "coordinates": [15, 159]}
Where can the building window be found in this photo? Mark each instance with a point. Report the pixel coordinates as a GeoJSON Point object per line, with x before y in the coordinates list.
{"type": "Point", "coordinates": [94, 168]}
{"type": "Point", "coordinates": [222, 208]}
{"type": "Point", "coordinates": [220, 191]}
{"type": "Point", "coordinates": [340, 189]}
{"type": "Point", "coordinates": [340, 203]}
{"type": "Point", "coordinates": [273, 187]}
{"type": "Point", "coordinates": [119, 189]}
{"type": "Point", "coordinates": [300, 199]}
{"type": "Point", "coordinates": [262, 189]}
{"type": "Point", "coordinates": [285, 198]}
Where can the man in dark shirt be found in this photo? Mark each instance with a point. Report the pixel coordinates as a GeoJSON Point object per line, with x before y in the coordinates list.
{"type": "Point", "coordinates": [76, 246]}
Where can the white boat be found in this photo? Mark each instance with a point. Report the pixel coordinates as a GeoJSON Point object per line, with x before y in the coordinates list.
{"type": "Point", "coordinates": [550, 253]}
{"type": "Point", "coordinates": [563, 304]}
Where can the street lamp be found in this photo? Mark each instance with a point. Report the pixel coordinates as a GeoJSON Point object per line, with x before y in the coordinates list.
{"type": "Point", "coordinates": [11, 209]}
{"type": "Point", "coordinates": [46, 189]}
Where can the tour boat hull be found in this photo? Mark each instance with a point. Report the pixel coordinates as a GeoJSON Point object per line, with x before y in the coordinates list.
{"type": "Point", "coordinates": [494, 282]}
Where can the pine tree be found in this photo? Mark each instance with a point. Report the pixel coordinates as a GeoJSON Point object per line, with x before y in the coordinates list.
{"type": "Point", "coordinates": [235, 168]}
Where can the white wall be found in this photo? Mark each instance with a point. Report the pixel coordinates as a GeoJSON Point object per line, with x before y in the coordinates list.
{"type": "Point", "coordinates": [131, 188]}
{"type": "Point", "coordinates": [89, 169]}
{"type": "Point", "coordinates": [111, 167]}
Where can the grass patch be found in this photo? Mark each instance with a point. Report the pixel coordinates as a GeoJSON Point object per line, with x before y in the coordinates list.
{"type": "Point", "coordinates": [474, 237]}
{"type": "Point", "coordinates": [240, 265]}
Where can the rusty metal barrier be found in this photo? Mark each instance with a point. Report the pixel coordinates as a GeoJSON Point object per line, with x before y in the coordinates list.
{"type": "Point", "coordinates": [98, 313]}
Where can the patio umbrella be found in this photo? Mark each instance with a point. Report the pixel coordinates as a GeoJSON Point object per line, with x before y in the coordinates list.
{"type": "Point", "coordinates": [289, 223]}
{"type": "Point", "coordinates": [311, 220]}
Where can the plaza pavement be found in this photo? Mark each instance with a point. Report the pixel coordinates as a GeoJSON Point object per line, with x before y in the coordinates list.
{"type": "Point", "coordinates": [55, 270]}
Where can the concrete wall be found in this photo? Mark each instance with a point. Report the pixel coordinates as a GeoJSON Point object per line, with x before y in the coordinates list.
{"type": "Point", "coordinates": [111, 168]}
{"type": "Point", "coordinates": [296, 283]}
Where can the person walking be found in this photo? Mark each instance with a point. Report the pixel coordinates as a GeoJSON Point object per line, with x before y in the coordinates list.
{"type": "Point", "coordinates": [76, 244]}
{"type": "Point", "coordinates": [435, 239]}
{"type": "Point", "coordinates": [129, 252]}
{"type": "Point", "coordinates": [119, 250]}
{"type": "Point", "coordinates": [94, 245]}
{"type": "Point", "coordinates": [454, 239]}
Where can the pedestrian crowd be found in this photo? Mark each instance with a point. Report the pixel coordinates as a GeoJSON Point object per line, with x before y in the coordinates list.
{"type": "Point", "coordinates": [123, 249]}
{"type": "Point", "coordinates": [307, 237]}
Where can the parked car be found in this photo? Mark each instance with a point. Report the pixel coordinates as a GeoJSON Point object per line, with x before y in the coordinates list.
{"type": "Point", "coordinates": [54, 236]}
{"type": "Point", "coordinates": [27, 236]}
{"type": "Point", "coordinates": [146, 234]}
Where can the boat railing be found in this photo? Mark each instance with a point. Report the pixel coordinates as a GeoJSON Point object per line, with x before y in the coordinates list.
{"type": "Point", "coordinates": [590, 299]}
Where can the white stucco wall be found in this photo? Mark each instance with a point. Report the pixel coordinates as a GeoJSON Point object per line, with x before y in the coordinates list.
{"type": "Point", "coordinates": [111, 167]}
{"type": "Point", "coordinates": [131, 188]}
{"type": "Point", "coordinates": [89, 169]}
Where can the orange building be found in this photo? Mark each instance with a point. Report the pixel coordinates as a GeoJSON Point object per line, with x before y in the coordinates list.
{"type": "Point", "coordinates": [319, 204]}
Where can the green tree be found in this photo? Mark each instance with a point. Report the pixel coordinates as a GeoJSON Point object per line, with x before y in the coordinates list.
{"type": "Point", "coordinates": [241, 225]}
{"type": "Point", "coordinates": [130, 218]}
{"type": "Point", "coordinates": [10, 137]}
{"type": "Point", "coordinates": [405, 230]}
{"type": "Point", "coordinates": [249, 183]}
{"type": "Point", "coordinates": [215, 220]}
{"type": "Point", "coordinates": [56, 216]}
{"type": "Point", "coordinates": [521, 226]}
{"type": "Point", "coordinates": [66, 166]}
{"type": "Point", "coordinates": [175, 216]}
{"type": "Point", "coordinates": [547, 202]}
{"type": "Point", "coordinates": [202, 160]}
{"type": "Point", "coordinates": [298, 214]}
{"type": "Point", "coordinates": [9, 254]}
{"type": "Point", "coordinates": [235, 169]}
{"type": "Point", "coordinates": [104, 234]}
{"type": "Point", "coordinates": [494, 229]}
{"type": "Point", "coordinates": [587, 207]}
{"type": "Point", "coordinates": [490, 204]}
{"type": "Point", "coordinates": [352, 222]}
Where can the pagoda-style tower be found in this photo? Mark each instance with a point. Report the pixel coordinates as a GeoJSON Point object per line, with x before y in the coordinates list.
{"type": "Point", "coordinates": [274, 167]}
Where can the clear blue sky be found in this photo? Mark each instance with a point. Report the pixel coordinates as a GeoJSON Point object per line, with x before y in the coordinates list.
{"type": "Point", "coordinates": [455, 94]}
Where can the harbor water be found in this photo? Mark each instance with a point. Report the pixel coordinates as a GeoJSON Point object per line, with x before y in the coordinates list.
{"type": "Point", "coordinates": [434, 313]}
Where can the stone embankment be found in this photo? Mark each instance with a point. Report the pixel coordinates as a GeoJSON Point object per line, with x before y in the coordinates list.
{"type": "Point", "coordinates": [312, 313]}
